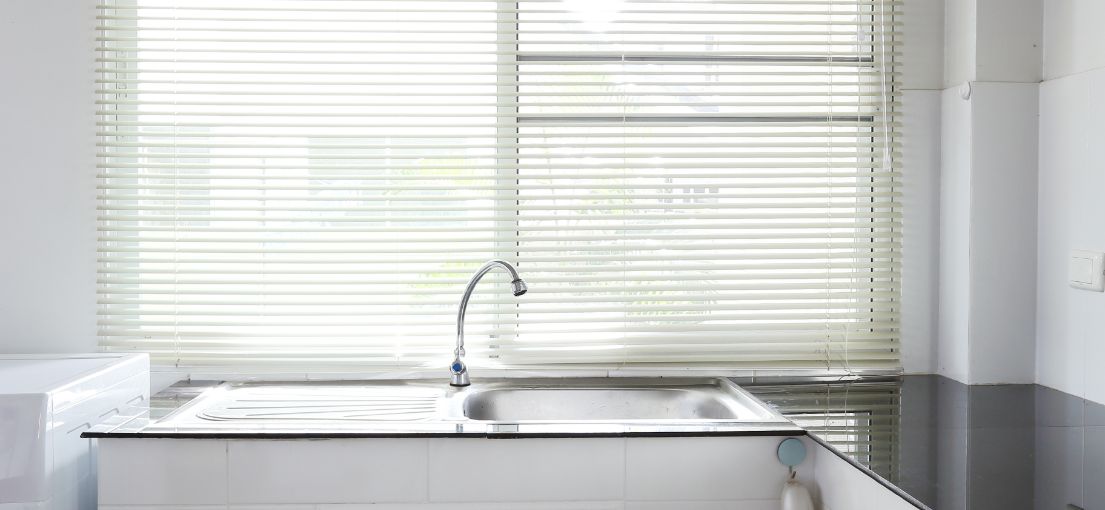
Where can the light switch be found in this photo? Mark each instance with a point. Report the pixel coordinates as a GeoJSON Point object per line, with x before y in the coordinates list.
{"type": "Point", "coordinates": [1087, 270]}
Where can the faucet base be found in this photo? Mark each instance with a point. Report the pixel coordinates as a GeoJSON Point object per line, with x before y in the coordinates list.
{"type": "Point", "coordinates": [458, 373]}
{"type": "Point", "coordinates": [460, 380]}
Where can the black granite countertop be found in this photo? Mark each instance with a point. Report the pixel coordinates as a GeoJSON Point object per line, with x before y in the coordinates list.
{"type": "Point", "coordinates": [956, 447]}
{"type": "Point", "coordinates": [942, 444]}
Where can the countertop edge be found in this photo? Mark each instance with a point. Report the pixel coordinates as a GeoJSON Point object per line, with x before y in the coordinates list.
{"type": "Point", "coordinates": [777, 432]}
{"type": "Point", "coordinates": [870, 474]}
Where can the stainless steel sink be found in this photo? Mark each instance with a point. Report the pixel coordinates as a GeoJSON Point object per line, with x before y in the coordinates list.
{"type": "Point", "coordinates": [612, 400]}
{"type": "Point", "coordinates": [487, 407]}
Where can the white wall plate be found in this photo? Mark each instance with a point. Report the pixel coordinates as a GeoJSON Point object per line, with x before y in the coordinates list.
{"type": "Point", "coordinates": [1087, 270]}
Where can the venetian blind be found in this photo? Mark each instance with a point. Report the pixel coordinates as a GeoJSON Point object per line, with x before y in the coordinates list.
{"type": "Point", "coordinates": [309, 183]}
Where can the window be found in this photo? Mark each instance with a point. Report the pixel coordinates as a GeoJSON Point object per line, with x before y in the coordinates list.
{"type": "Point", "coordinates": [309, 183]}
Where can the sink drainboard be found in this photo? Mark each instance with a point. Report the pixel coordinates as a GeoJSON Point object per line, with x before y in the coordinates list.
{"type": "Point", "coordinates": [359, 404]}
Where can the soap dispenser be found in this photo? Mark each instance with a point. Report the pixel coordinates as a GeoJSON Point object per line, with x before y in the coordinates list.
{"type": "Point", "coordinates": [795, 496]}
{"type": "Point", "coordinates": [791, 453]}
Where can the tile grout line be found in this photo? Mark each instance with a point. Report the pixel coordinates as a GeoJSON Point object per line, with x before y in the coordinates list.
{"type": "Point", "coordinates": [1073, 74]}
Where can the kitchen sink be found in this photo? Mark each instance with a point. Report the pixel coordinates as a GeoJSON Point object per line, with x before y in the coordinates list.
{"type": "Point", "coordinates": [515, 407]}
{"type": "Point", "coordinates": [612, 400]}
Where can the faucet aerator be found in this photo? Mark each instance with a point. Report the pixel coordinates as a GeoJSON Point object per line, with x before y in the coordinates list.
{"type": "Point", "coordinates": [519, 287]}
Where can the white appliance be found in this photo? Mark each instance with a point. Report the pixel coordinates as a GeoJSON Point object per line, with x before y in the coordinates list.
{"type": "Point", "coordinates": [46, 401]}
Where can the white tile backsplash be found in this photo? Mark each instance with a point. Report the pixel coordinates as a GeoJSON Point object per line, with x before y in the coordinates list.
{"type": "Point", "coordinates": [162, 471]}
{"type": "Point", "coordinates": [1071, 215]}
{"type": "Point", "coordinates": [577, 469]}
{"type": "Point", "coordinates": [327, 471]}
{"type": "Point", "coordinates": [703, 468]}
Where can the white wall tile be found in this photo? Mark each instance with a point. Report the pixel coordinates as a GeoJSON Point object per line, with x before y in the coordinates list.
{"type": "Point", "coordinates": [921, 228]}
{"type": "Point", "coordinates": [704, 468]}
{"type": "Point", "coordinates": [923, 49]}
{"type": "Point", "coordinates": [1072, 37]}
{"type": "Point", "coordinates": [163, 507]}
{"type": "Point", "coordinates": [327, 471]}
{"type": "Point", "coordinates": [955, 210]}
{"type": "Point", "coordinates": [513, 505]}
{"type": "Point", "coordinates": [208, 507]}
{"type": "Point", "coordinates": [271, 506]}
{"type": "Point", "coordinates": [992, 40]}
{"type": "Point", "coordinates": [988, 183]}
{"type": "Point", "coordinates": [1009, 40]}
{"type": "Point", "coordinates": [527, 469]}
{"type": "Point", "coordinates": [960, 17]}
{"type": "Point", "coordinates": [761, 504]}
{"type": "Point", "coordinates": [844, 487]}
{"type": "Point", "coordinates": [162, 471]}
{"type": "Point", "coordinates": [1071, 216]}
{"type": "Point", "coordinates": [1004, 122]}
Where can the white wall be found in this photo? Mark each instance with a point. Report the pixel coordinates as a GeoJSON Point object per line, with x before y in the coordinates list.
{"type": "Point", "coordinates": [992, 40]}
{"type": "Point", "coordinates": [920, 224]}
{"type": "Point", "coordinates": [960, 20]}
{"type": "Point", "coordinates": [988, 233]}
{"type": "Point", "coordinates": [47, 216]}
{"type": "Point", "coordinates": [988, 191]}
{"type": "Point", "coordinates": [955, 210]}
{"type": "Point", "coordinates": [1003, 233]}
{"type": "Point", "coordinates": [1070, 333]}
{"type": "Point", "coordinates": [922, 78]}
{"type": "Point", "coordinates": [1008, 40]}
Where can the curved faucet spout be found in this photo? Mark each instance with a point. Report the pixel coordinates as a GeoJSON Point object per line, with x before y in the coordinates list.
{"type": "Point", "coordinates": [457, 369]}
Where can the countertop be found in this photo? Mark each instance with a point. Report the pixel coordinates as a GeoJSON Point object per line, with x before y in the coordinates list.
{"type": "Point", "coordinates": [943, 444]}
{"type": "Point", "coordinates": [956, 447]}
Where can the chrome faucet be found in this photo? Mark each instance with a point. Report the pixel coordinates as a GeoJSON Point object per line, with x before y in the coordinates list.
{"type": "Point", "coordinates": [458, 370]}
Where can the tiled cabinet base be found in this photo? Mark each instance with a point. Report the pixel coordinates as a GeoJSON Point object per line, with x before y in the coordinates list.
{"type": "Point", "coordinates": [704, 473]}
{"type": "Point", "coordinates": [694, 473]}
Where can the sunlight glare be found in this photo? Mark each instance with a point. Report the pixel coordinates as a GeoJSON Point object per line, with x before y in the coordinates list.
{"type": "Point", "coordinates": [596, 15]}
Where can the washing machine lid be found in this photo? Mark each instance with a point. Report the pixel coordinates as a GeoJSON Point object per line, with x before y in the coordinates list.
{"type": "Point", "coordinates": [34, 389]}
{"type": "Point", "coordinates": [46, 373]}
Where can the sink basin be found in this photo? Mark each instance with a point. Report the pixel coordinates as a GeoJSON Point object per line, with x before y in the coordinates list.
{"type": "Point", "coordinates": [613, 400]}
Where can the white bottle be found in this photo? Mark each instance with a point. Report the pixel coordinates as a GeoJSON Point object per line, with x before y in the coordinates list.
{"type": "Point", "coordinates": [795, 496]}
